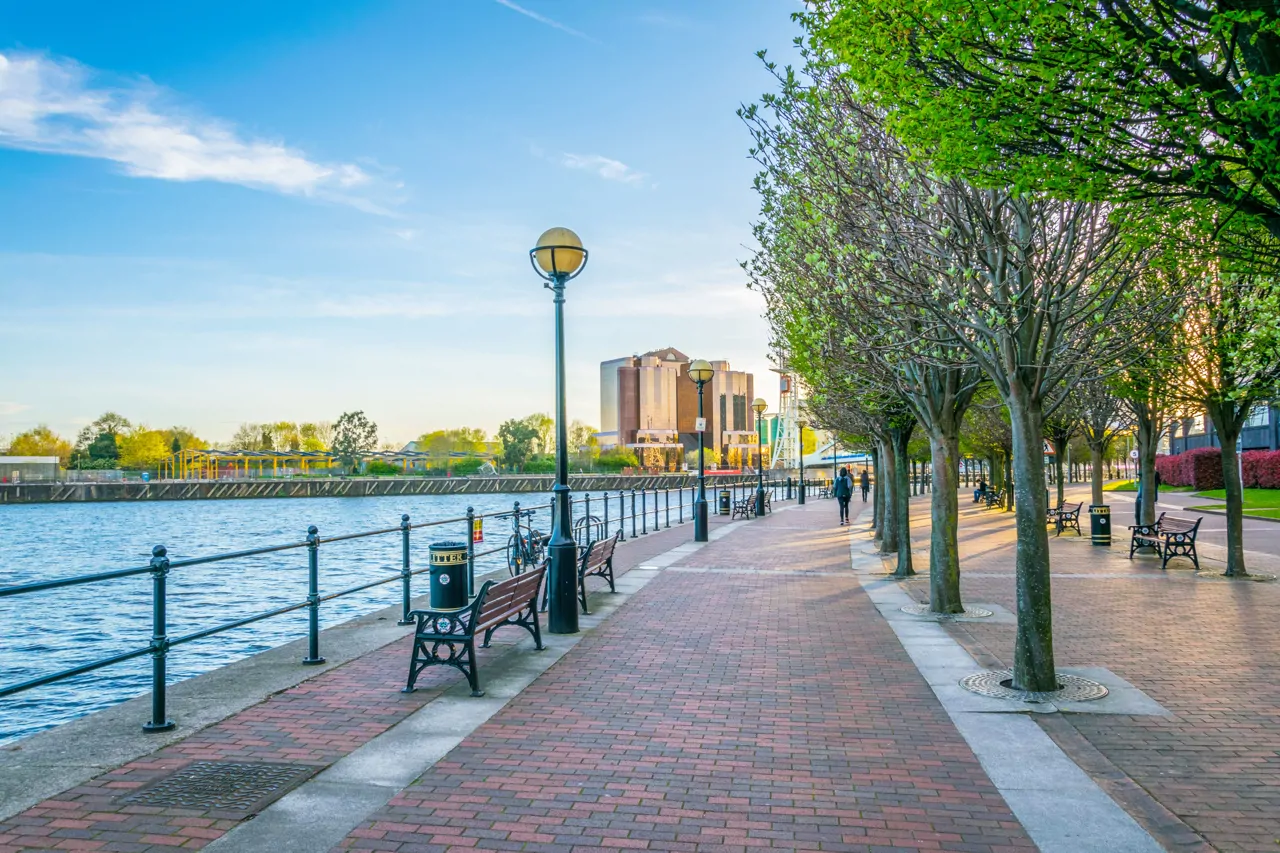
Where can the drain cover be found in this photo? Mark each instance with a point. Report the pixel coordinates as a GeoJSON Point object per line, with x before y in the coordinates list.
{"type": "Point", "coordinates": [1260, 577]}
{"type": "Point", "coordinates": [997, 683]}
{"type": "Point", "coordinates": [243, 787]}
{"type": "Point", "coordinates": [969, 612]}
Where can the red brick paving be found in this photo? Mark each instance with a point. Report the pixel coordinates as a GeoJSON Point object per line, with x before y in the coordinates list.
{"type": "Point", "coordinates": [1208, 651]}
{"type": "Point", "coordinates": [717, 712]}
{"type": "Point", "coordinates": [314, 723]}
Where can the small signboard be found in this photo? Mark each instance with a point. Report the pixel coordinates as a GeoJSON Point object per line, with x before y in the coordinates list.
{"type": "Point", "coordinates": [477, 530]}
{"type": "Point", "coordinates": [1133, 454]}
{"type": "Point", "coordinates": [700, 424]}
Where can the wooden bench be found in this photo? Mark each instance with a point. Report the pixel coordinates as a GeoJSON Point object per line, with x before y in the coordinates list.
{"type": "Point", "coordinates": [993, 498]}
{"type": "Point", "coordinates": [744, 508]}
{"type": "Point", "coordinates": [448, 637]}
{"type": "Point", "coordinates": [1171, 537]}
{"type": "Point", "coordinates": [596, 562]}
{"type": "Point", "coordinates": [1066, 518]}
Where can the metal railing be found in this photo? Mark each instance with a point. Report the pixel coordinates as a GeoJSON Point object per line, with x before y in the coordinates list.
{"type": "Point", "coordinates": [598, 519]}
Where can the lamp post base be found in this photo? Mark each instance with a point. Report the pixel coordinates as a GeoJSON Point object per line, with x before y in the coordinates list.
{"type": "Point", "coordinates": [700, 520]}
{"type": "Point", "coordinates": [759, 501]}
{"type": "Point", "coordinates": [562, 585]}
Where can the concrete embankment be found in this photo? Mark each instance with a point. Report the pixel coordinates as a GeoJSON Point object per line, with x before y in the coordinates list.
{"type": "Point", "coordinates": [338, 487]}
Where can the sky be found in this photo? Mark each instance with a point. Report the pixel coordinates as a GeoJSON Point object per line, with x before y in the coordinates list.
{"type": "Point", "coordinates": [246, 211]}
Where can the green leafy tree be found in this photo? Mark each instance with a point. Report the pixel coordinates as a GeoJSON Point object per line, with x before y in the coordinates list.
{"type": "Point", "coordinates": [545, 427]}
{"type": "Point", "coordinates": [354, 435]}
{"type": "Point", "coordinates": [41, 441]}
{"type": "Point", "coordinates": [518, 438]}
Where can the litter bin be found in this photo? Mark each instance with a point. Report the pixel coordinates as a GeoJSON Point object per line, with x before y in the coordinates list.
{"type": "Point", "coordinates": [726, 502]}
{"type": "Point", "coordinates": [1100, 523]}
{"type": "Point", "coordinates": [448, 575]}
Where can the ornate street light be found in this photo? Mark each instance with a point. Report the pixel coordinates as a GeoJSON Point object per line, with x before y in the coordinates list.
{"type": "Point", "coordinates": [801, 498]}
{"type": "Point", "coordinates": [558, 257]}
{"type": "Point", "coordinates": [700, 372]}
{"type": "Point", "coordinates": [759, 405]}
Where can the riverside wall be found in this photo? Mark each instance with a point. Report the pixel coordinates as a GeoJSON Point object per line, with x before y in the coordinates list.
{"type": "Point", "coordinates": [340, 487]}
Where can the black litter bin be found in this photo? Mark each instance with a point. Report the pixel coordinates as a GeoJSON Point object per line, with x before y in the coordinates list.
{"type": "Point", "coordinates": [448, 575]}
{"type": "Point", "coordinates": [1100, 523]}
{"type": "Point", "coordinates": [726, 502]}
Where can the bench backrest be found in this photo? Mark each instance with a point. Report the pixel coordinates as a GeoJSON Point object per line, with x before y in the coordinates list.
{"type": "Point", "coordinates": [1178, 525]}
{"type": "Point", "coordinates": [1072, 511]}
{"type": "Point", "coordinates": [509, 597]}
{"type": "Point", "coordinates": [599, 552]}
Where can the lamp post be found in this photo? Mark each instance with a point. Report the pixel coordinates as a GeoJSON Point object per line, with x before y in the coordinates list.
{"type": "Point", "coordinates": [800, 500]}
{"type": "Point", "coordinates": [759, 405]}
{"type": "Point", "coordinates": [558, 257]}
{"type": "Point", "coordinates": [700, 372]}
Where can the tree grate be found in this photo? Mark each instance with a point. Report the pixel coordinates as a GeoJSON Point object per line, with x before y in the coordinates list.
{"type": "Point", "coordinates": [1260, 577]}
{"type": "Point", "coordinates": [918, 609]}
{"type": "Point", "coordinates": [225, 786]}
{"type": "Point", "coordinates": [999, 684]}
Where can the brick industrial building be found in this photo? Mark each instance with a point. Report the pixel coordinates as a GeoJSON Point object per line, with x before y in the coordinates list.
{"type": "Point", "coordinates": [648, 403]}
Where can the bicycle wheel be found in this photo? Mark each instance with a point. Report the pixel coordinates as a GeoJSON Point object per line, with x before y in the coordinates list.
{"type": "Point", "coordinates": [515, 555]}
{"type": "Point", "coordinates": [536, 551]}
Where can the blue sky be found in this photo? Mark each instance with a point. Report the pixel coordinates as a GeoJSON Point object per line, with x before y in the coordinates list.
{"type": "Point", "coordinates": [283, 211]}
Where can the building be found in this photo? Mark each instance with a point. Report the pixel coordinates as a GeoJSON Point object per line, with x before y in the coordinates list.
{"type": "Point", "coordinates": [649, 404]}
{"type": "Point", "coordinates": [1261, 431]}
{"type": "Point", "coordinates": [29, 469]}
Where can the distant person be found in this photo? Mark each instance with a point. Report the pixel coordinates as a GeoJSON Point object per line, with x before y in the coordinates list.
{"type": "Point", "coordinates": [980, 492]}
{"type": "Point", "coordinates": [866, 485]}
{"type": "Point", "coordinates": [1155, 493]}
{"type": "Point", "coordinates": [844, 493]}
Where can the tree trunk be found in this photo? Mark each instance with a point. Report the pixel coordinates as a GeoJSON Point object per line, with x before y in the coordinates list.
{"type": "Point", "coordinates": [877, 514]}
{"type": "Point", "coordinates": [1008, 484]}
{"type": "Point", "coordinates": [1228, 429]}
{"type": "Point", "coordinates": [900, 438]}
{"type": "Point", "coordinates": [1099, 476]}
{"type": "Point", "coordinates": [889, 526]}
{"type": "Point", "coordinates": [1148, 437]}
{"type": "Point", "coordinates": [1059, 455]}
{"type": "Point", "coordinates": [944, 546]}
{"type": "Point", "coordinates": [1033, 667]}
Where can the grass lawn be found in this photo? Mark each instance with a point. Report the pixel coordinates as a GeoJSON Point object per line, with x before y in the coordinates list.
{"type": "Point", "coordinates": [1132, 486]}
{"type": "Point", "coordinates": [1260, 503]}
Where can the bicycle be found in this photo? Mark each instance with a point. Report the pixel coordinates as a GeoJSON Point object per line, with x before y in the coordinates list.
{"type": "Point", "coordinates": [527, 546]}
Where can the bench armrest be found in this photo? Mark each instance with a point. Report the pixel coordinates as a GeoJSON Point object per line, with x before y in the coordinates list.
{"type": "Point", "coordinates": [1148, 529]}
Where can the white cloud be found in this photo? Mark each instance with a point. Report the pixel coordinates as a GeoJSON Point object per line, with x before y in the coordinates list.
{"type": "Point", "coordinates": [543, 19]}
{"type": "Point", "coordinates": [49, 104]}
{"type": "Point", "coordinates": [610, 170]}
{"type": "Point", "coordinates": [7, 409]}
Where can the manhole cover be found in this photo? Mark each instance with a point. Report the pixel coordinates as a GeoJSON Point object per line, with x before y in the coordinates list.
{"type": "Point", "coordinates": [918, 609]}
{"type": "Point", "coordinates": [1071, 688]}
{"type": "Point", "coordinates": [1260, 577]}
{"type": "Point", "coordinates": [228, 786]}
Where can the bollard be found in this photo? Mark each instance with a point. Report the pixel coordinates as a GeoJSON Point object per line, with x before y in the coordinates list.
{"type": "Point", "coordinates": [159, 641]}
{"type": "Point", "coordinates": [313, 597]}
{"type": "Point", "coordinates": [404, 571]}
{"type": "Point", "coordinates": [471, 552]}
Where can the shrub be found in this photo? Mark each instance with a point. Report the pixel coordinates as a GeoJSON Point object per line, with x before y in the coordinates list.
{"type": "Point", "coordinates": [1170, 470]}
{"type": "Point", "coordinates": [616, 460]}
{"type": "Point", "coordinates": [378, 466]}
{"type": "Point", "coordinates": [1200, 468]}
{"type": "Point", "coordinates": [465, 467]}
{"type": "Point", "coordinates": [540, 465]}
{"type": "Point", "coordinates": [1261, 469]}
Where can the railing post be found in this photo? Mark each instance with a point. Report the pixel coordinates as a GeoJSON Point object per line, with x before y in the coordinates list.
{"type": "Point", "coordinates": [633, 513]}
{"type": "Point", "coordinates": [644, 510]}
{"type": "Point", "coordinates": [404, 571]}
{"type": "Point", "coordinates": [666, 500]}
{"type": "Point", "coordinates": [586, 513]}
{"type": "Point", "coordinates": [313, 598]}
{"type": "Point", "coordinates": [606, 515]}
{"type": "Point", "coordinates": [680, 503]}
{"type": "Point", "coordinates": [622, 515]}
{"type": "Point", "coordinates": [471, 552]}
{"type": "Point", "coordinates": [159, 641]}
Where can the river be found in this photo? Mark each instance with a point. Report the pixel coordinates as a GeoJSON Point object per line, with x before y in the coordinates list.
{"type": "Point", "coordinates": [48, 631]}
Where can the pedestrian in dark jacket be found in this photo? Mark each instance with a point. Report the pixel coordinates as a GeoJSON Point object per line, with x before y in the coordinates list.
{"type": "Point", "coordinates": [844, 492]}
{"type": "Point", "coordinates": [866, 486]}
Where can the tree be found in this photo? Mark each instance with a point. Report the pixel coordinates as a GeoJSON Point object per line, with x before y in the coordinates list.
{"type": "Point", "coordinates": [1158, 99]}
{"type": "Point", "coordinates": [1102, 416]}
{"type": "Point", "coordinates": [248, 437]}
{"type": "Point", "coordinates": [354, 435]}
{"type": "Point", "coordinates": [518, 439]}
{"type": "Point", "coordinates": [181, 438]}
{"type": "Point", "coordinates": [545, 428]}
{"type": "Point", "coordinates": [41, 441]}
{"type": "Point", "coordinates": [175, 446]}
{"type": "Point", "coordinates": [143, 449]}
{"type": "Point", "coordinates": [315, 437]}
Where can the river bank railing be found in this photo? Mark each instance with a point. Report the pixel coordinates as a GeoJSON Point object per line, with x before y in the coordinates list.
{"type": "Point", "coordinates": [598, 516]}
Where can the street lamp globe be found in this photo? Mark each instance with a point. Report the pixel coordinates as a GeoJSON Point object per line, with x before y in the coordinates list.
{"type": "Point", "coordinates": [559, 253]}
{"type": "Point", "coordinates": [759, 404]}
{"type": "Point", "coordinates": [701, 370]}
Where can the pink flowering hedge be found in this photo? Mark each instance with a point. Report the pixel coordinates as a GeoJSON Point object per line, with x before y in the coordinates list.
{"type": "Point", "coordinates": [1202, 469]}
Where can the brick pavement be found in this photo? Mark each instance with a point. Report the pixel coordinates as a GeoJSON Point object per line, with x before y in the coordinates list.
{"type": "Point", "coordinates": [1207, 650]}
{"type": "Point", "coordinates": [748, 697]}
{"type": "Point", "coordinates": [314, 723]}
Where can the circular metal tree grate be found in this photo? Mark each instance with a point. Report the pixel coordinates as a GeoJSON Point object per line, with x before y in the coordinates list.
{"type": "Point", "coordinates": [998, 683]}
{"type": "Point", "coordinates": [969, 612]}
{"type": "Point", "coordinates": [1260, 577]}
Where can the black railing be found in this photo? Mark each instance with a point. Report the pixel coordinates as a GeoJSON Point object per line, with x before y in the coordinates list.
{"type": "Point", "coordinates": [598, 519]}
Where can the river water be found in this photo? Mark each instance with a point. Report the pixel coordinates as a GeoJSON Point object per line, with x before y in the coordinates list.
{"type": "Point", "coordinates": [53, 630]}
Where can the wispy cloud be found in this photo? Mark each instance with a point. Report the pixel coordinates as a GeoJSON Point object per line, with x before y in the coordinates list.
{"type": "Point", "coordinates": [543, 19]}
{"type": "Point", "coordinates": [610, 170]}
{"type": "Point", "coordinates": [49, 104]}
{"type": "Point", "coordinates": [7, 408]}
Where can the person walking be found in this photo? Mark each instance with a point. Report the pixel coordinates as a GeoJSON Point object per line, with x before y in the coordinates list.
{"type": "Point", "coordinates": [844, 492]}
{"type": "Point", "coordinates": [866, 485]}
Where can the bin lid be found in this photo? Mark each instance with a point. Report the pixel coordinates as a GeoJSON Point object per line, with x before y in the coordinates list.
{"type": "Point", "coordinates": [447, 545]}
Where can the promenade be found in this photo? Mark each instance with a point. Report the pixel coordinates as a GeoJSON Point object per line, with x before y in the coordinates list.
{"type": "Point", "coordinates": [763, 690]}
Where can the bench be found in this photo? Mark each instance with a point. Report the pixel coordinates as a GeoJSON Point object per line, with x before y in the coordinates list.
{"type": "Point", "coordinates": [1171, 537]}
{"type": "Point", "coordinates": [744, 508]}
{"type": "Point", "coordinates": [993, 498]}
{"type": "Point", "coordinates": [596, 562]}
{"type": "Point", "coordinates": [448, 637]}
{"type": "Point", "coordinates": [1066, 518]}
